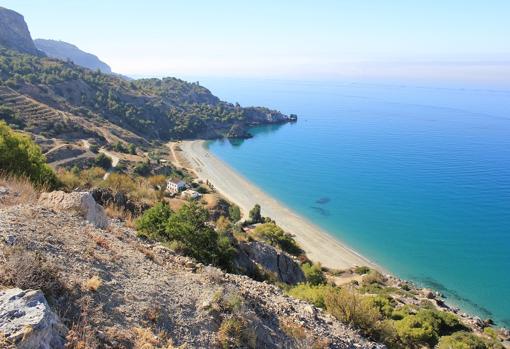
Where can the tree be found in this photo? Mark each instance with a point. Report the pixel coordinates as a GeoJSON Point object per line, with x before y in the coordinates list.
{"type": "Point", "coordinates": [142, 169]}
{"type": "Point", "coordinates": [21, 157]}
{"type": "Point", "coordinates": [234, 213]}
{"type": "Point", "coordinates": [255, 216]}
{"type": "Point", "coordinates": [189, 227]}
{"type": "Point", "coordinates": [153, 222]}
{"type": "Point", "coordinates": [132, 149]}
{"type": "Point", "coordinates": [103, 161]}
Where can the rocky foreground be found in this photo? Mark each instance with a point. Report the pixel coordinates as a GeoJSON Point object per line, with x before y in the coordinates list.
{"type": "Point", "coordinates": [70, 283]}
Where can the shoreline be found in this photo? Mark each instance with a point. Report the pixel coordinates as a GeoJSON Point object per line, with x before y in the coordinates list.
{"type": "Point", "coordinates": [318, 244]}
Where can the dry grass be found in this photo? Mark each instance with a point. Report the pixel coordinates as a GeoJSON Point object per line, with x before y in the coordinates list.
{"type": "Point", "coordinates": [20, 191]}
{"type": "Point", "coordinates": [235, 332]}
{"type": "Point", "coordinates": [92, 284]}
{"type": "Point", "coordinates": [144, 338]}
{"type": "Point", "coordinates": [116, 212]}
{"type": "Point", "coordinates": [101, 242]}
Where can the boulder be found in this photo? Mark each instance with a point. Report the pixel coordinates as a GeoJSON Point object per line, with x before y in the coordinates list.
{"type": "Point", "coordinates": [274, 261]}
{"type": "Point", "coordinates": [27, 321]}
{"type": "Point", "coordinates": [81, 202]}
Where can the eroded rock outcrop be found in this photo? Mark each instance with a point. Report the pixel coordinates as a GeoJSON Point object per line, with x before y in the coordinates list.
{"type": "Point", "coordinates": [271, 260]}
{"type": "Point", "coordinates": [27, 321]}
{"type": "Point", "coordinates": [81, 202]}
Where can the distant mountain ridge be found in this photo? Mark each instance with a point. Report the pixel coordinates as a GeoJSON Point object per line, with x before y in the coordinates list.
{"type": "Point", "coordinates": [66, 51]}
{"type": "Point", "coordinates": [14, 33]}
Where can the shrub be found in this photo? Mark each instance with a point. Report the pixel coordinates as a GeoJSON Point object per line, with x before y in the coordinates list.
{"type": "Point", "coordinates": [353, 309]}
{"type": "Point", "coordinates": [22, 188]}
{"type": "Point", "coordinates": [103, 161]}
{"type": "Point", "coordinates": [235, 332]}
{"type": "Point", "coordinates": [426, 326]}
{"type": "Point", "coordinates": [142, 169]}
{"type": "Point", "coordinates": [313, 274]}
{"type": "Point", "coordinates": [466, 340]}
{"type": "Point", "coordinates": [234, 213]}
{"type": "Point", "coordinates": [189, 226]}
{"type": "Point", "coordinates": [28, 270]}
{"type": "Point", "coordinates": [255, 215]}
{"type": "Point", "coordinates": [361, 270]}
{"type": "Point", "coordinates": [119, 182]}
{"type": "Point", "coordinates": [153, 221]}
{"type": "Point", "coordinates": [275, 236]}
{"type": "Point", "coordinates": [157, 182]}
{"type": "Point", "coordinates": [21, 157]}
{"type": "Point", "coordinates": [310, 293]}
{"type": "Point", "coordinates": [373, 277]}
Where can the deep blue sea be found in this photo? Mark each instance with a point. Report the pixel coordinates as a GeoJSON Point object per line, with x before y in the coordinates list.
{"type": "Point", "coordinates": [415, 178]}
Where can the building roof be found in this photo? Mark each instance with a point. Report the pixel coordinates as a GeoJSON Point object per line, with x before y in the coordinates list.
{"type": "Point", "coordinates": [176, 181]}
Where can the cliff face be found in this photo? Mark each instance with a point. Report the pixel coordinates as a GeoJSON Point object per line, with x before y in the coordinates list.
{"type": "Point", "coordinates": [65, 51]}
{"type": "Point", "coordinates": [14, 32]}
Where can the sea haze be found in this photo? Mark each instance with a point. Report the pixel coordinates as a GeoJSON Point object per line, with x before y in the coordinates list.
{"type": "Point", "coordinates": [415, 178]}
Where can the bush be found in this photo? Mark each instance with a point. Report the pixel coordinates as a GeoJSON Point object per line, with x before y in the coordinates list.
{"type": "Point", "coordinates": [313, 274]}
{"type": "Point", "coordinates": [234, 213]}
{"type": "Point", "coordinates": [275, 236]}
{"type": "Point", "coordinates": [103, 161]}
{"type": "Point", "coordinates": [142, 169]}
{"type": "Point", "coordinates": [119, 182]}
{"type": "Point", "coordinates": [310, 293]}
{"type": "Point", "coordinates": [361, 270]}
{"type": "Point", "coordinates": [188, 229]}
{"type": "Point", "coordinates": [426, 326]}
{"type": "Point", "coordinates": [255, 214]}
{"type": "Point", "coordinates": [235, 332]}
{"type": "Point", "coordinates": [21, 157]}
{"type": "Point", "coordinates": [153, 221]}
{"type": "Point", "coordinates": [466, 340]}
{"type": "Point", "coordinates": [353, 309]}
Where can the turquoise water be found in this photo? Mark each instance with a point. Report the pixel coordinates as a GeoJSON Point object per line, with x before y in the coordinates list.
{"type": "Point", "coordinates": [415, 178]}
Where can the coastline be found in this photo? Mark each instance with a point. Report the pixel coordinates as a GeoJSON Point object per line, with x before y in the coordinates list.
{"type": "Point", "coordinates": [318, 244]}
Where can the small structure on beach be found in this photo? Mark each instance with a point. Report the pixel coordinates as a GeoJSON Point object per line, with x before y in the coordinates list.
{"type": "Point", "coordinates": [190, 194]}
{"type": "Point", "coordinates": [175, 185]}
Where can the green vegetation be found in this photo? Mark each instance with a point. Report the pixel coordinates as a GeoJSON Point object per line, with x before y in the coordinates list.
{"type": "Point", "coordinates": [313, 274]}
{"type": "Point", "coordinates": [255, 215]}
{"type": "Point", "coordinates": [275, 236]}
{"type": "Point", "coordinates": [21, 157]}
{"type": "Point", "coordinates": [188, 230]}
{"type": "Point", "coordinates": [175, 109]}
{"type": "Point", "coordinates": [467, 340]}
{"type": "Point", "coordinates": [234, 213]}
{"type": "Point", "coordinates": [103, 161]}
{"type": "Point", "coordinates": [383, 319]}
{"type": "Point", "coordinates": [142, 169]}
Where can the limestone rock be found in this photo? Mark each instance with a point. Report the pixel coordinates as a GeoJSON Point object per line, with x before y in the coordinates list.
{"type": "Point", "coordinates": [274, 261]}
{"type": "Point", "coordinates": [81, 202]}
{"type": "Point", "coordinates": [14, 32]}
{"type": "Point", "coordinates": [27, 321]}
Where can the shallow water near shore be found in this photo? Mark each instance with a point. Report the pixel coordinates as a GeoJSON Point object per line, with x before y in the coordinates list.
{"type": "Point", "coordinates": [415, 178]}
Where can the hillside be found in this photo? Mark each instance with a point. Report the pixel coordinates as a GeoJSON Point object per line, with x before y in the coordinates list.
{"type": "Point", "coordinates": [113, 290]}
{"type": "Point", "coordinates": [65, 51]}
{"type": "Point", "coordinates": [14, 32]}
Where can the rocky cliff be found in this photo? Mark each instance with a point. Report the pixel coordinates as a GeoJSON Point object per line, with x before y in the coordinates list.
{"type": "Point", "coordinates": [14, 32]}
{"type": "Point", "coordinates": [65, 51]}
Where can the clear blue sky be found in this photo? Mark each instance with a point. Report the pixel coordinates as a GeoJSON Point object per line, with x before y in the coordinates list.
{"type": "Point", "coordinates": [285, 38]}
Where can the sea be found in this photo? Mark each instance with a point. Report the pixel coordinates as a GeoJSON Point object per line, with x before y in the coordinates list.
{"type": "Point", "coordinates": [414, 177]}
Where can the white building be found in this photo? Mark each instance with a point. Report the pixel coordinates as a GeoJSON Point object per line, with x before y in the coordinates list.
{"type": "Point", "coordinates": [190, 194]}
{"type": "Point", "coordinates": [175, 185]}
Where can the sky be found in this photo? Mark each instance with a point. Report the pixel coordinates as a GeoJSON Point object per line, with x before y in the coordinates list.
{"type": "Point", "coordinates": [302, 39]}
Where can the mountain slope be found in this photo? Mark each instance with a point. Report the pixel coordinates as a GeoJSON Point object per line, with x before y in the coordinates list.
{"type": "Point", "coordinates": [14, 32]}
{"type": "Point", "coordinates": [110, 284]}
{"type": "Point", "coordinates": [65, 51]}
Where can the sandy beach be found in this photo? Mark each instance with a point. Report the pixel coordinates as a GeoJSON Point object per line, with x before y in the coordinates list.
{"type": "Point", "coordinates": [318, 244]}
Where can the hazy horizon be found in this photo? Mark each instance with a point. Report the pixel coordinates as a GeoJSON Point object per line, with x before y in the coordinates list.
{"type": "Point", "coordinates": [454, 41]}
